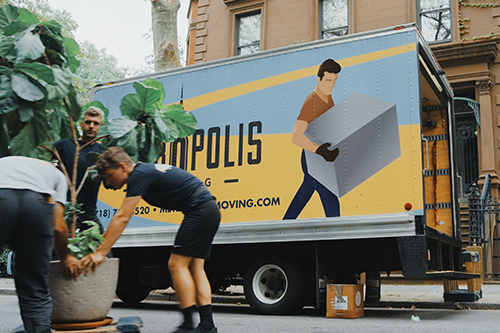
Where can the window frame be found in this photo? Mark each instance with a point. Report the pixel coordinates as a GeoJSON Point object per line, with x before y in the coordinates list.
{"type": "Point", "coordinates": [321, 19]}
{"type": "Point", "coordinates": [237, 46]}
{"type": "Point", "coordinates": [238, 9]}
{"type": "Point", "coordinates": [419, 17]}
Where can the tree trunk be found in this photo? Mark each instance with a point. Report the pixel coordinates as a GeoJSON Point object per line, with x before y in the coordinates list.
{"type": "Point", "coordinates": [164, 23]}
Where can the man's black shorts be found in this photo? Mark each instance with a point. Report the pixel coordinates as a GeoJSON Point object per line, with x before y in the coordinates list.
{"type": "Point", "coordinates": [197, 231]}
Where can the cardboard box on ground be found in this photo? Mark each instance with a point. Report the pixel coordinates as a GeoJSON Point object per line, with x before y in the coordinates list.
{"type": "Point", "coordinates": [344, 301]}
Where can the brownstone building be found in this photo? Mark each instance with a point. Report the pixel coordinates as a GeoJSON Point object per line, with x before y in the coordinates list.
{"type": "Point", "coordinates": [463, 34]}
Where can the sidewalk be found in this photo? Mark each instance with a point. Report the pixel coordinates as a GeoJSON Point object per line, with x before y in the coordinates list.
{"type": "Point", "coordinates": [395, 293]}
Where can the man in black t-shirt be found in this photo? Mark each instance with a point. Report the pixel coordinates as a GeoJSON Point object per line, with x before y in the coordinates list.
{"type": "Point", "coordinates": [92, 119]}
{"type": "Point", "coordinates": [171, 188]}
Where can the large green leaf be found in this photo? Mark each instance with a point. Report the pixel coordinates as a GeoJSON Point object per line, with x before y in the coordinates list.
{"type": "Point", "coordinates": [8, 49]}
{"type": "Point", "coordinates": [54, 29]}
{"type": "Point", "coordinates": [149, 97]}
{"type": "Point", "coordinates": [158, 85]}
{"type": "Point", "coordinates": [183, 120]}
{"type": "Point", "coordinates": [62, 84]}
{"type": "Point", "coordinates": [163, 130]}
{"type": "Point", "coordinates": [92, 156]}
{"type": "Point", "coordinates": [118, 127]}
{"type": "Point", "coordinates": [38, 71]}
{"type": "Point", "coordinates": [29, 46]}
{"type": "Point", "coordinates": [131, 106]}
{"type": "Point", "coordinates": [26, 111]}
{"type": "Point", "coordinates": [8, 101]}
{"type": "Point", "coordinates": [4, 138]}
{"type": "Point", "coordinates": [15, 27]}
{"type": "Point", "coordinates": [33, 133]}
{"type": "Point", "coordinates": [24, 144]}
{"type": "Point", "coordinates": [8, 14]}
{"type": "Point", "coordinates": [5, 71]}
{"type": "Point", "coordinates": [59, 122]}
{"type": "Point", "coordinates": [73, 64]}
{"type": "Point", "coordinates": [54, 48]}
{"type": "Point", "coordinates": [25, 89]}
{"type": "Point", "coordinates": [73, 102]}
{"type": "Point", "coordinates": [129, 142]}
{"type": "Point", "coordinates": [28, 17]}
{"type": "Point", "coordinates": [40, 124]}
{"type": "Point", "coordinates": [71, 47]}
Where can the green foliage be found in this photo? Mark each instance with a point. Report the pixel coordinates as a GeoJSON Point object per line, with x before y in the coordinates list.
{"type": "Point", "coordinates": [85, 242]}
{"type": "Point", "coordinates": [71, 210]}
{"type": "Point", "coordinates": [37, 64]}
{"type": "Point", "coordinates": [96, 66]}
{"type": "Point", "coordinates": [4, 253]}
{"type": "Point", "coordinates": [146, 122]}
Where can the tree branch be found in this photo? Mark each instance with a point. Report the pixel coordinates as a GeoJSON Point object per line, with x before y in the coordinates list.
{"type": "Point", "coordinates": [56, 154]}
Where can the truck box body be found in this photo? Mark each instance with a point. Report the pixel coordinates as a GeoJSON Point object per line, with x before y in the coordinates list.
{"type": "Point", "coordinates": [393, 176]}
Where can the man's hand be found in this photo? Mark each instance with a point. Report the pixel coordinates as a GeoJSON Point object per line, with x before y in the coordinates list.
{"type": "Point", "coordinates": [72, 267]}
{"type": "Point", "coordinates": [328, 155]}
{"type": "Point", "coordinates": [91, 261]}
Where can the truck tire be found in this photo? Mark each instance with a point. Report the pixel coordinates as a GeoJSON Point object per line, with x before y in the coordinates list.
{"type": "Point", "coordinates": [132, 296]}
{"type": "Point", "coordinates": [274, 286]}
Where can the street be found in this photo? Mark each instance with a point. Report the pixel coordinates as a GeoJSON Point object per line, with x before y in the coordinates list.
{"type": "Point", "coordinates": [163, 317]}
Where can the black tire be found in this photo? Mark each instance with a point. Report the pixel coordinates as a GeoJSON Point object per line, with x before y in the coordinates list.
{"type": "Point", "coordinates": [274, 286]}
{"type": "Point", "coordinates": [132, 296]}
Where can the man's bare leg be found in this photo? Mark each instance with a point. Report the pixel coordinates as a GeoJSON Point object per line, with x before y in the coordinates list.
{"type": "Point", "coordinates": [185, 288]}
{"type": "Point", "coordinates": [203, 295]}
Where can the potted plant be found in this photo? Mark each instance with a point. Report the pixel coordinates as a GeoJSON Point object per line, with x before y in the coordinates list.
{"type": "Point", "coordinates": [39, 105]}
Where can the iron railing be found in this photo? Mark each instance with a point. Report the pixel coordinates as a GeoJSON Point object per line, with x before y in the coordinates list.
{"type": "Point", "coordinates": [483, 227]}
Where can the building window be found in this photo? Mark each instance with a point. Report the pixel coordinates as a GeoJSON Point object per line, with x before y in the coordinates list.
{"type": "Point", "coordinates": [334, 14]}
{"type": "Point", "coordinates": [248, 33]}
{"type": "Point", "coordinates": [435, 20]}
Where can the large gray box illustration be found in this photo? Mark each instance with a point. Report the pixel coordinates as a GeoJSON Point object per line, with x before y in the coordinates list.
{"type": "Point", "coordinates": [365, 129]}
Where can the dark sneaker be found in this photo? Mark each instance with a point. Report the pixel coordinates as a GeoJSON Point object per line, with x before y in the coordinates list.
{"type": "Point", "coordinates": [200, 329]}
{"type": "Point", "coordinates": [181, 329]}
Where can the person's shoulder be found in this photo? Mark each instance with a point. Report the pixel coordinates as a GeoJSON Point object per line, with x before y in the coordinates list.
{"type": "Point", "coordinates": [63, 143]}
{"type": "Point", "coordinates": [98, 147]}
{"type": "Point", "coordinates": [144, 167]}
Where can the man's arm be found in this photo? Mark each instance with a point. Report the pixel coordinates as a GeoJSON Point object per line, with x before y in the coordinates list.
{"type": "Point", "coordinates": [301, 140]}
{"type": "Point", "coordinates": [113, 232]}
{"type": "Point", "coordinates": [71, 264]}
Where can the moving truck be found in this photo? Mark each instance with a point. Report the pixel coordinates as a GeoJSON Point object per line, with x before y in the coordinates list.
{"type": "Point", "coordinates": [379, 194]}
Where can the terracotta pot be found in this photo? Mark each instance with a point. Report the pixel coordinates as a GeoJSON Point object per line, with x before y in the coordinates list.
{"type": "Point", "coordinates": [87, 299]}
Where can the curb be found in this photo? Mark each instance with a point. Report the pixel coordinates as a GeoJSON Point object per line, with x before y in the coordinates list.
{"type": "Point", "coordinates": [240, 300]}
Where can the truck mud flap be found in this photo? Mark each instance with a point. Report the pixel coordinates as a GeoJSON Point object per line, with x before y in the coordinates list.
{"type": "Point", "coordinates": [413, 254]}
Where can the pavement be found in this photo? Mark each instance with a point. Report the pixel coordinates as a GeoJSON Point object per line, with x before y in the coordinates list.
{"type": "Point", "coordinates": [395, 293]}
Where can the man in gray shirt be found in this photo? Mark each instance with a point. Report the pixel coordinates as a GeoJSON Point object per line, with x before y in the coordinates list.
{"type": "Point", "coordinates": [32, 199]}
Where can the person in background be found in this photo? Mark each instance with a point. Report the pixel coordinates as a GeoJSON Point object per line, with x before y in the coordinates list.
{"type": "Point", "coordinates": [171, 188]}
{"type": "Point", "coordinates": [32, 199]}
{"type": "Point", "coordinates": [92, 119]}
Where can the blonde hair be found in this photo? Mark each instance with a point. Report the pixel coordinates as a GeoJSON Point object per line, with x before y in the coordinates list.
{"type": "Point", "coordinates": [93, 111]}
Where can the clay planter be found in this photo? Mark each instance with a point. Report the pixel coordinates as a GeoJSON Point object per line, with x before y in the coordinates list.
{"type": "Point", "coordinates": [87, 299]}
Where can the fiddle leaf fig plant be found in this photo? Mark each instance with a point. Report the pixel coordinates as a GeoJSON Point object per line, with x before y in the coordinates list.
{"type": "Point", "coordinates": [146, 122]}
{"type": "Point", "coordinates": [85, 242]}
{"type": "Point", "coordinates": [36, 66]}
{"type": "Point", "coordinates": [39, 103]}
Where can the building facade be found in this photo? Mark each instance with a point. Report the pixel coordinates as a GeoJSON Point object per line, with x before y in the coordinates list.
{"type": "Point", "coordinates": [464, 35]}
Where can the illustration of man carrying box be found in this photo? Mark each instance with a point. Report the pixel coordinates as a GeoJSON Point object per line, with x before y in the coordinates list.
{"type": "Point", "coordinates": [317, 103]}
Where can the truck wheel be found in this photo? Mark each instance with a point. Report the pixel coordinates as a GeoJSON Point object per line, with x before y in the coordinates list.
{"type": "Point", "coordinates": [132, 296]}
{"type": "Point", "coordinates": [274, 286]}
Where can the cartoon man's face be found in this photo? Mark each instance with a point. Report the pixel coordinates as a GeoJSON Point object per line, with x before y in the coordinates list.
{"type": "Point", "coordinates": [326, 84]}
